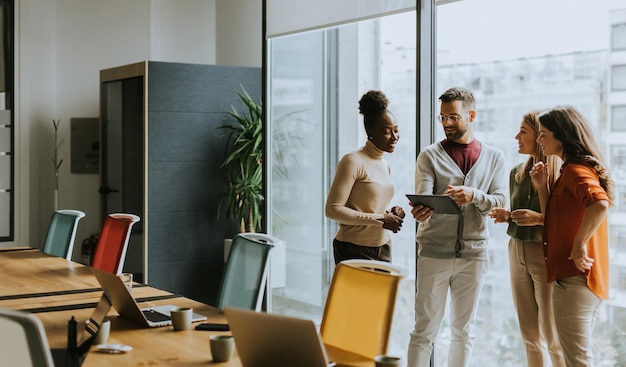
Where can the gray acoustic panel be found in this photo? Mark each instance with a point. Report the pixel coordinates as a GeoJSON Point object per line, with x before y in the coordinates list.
{"type": "Point", "coordinates": [195, 136]}
{"type": "Point", "coordinates": [197, 280]}
{"type": "Point", "coordinates": [199, 88]}
{"type": "Point", "coordinates": [186, 105]}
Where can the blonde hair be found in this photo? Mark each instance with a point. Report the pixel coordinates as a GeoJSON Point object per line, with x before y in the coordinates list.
{"type": "Point", "coordinates": [554, 162]}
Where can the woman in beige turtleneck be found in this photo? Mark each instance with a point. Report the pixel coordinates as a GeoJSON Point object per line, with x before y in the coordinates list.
{"type": "Point", "coordinates": [362, 189]}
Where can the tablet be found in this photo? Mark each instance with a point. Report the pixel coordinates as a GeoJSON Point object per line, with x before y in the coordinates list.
{"type": "Point", "coordinates": [441, 204]}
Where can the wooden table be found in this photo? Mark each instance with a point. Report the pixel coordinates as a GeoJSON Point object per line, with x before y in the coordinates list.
{"type": "Point", "coordinates": [55, 289]}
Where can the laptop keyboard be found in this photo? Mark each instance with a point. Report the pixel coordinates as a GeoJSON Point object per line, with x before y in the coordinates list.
{"type": "Point", "coordinates": [154, 316]}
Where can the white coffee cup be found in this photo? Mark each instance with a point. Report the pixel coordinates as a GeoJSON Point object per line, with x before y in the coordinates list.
{"type": "Point", "coordinates": [387, 361]}
{"type": "Point", "coordinates": [222, 347]}
{"type": "Point", "coordinates": [181, 318]}
{"type": "Point", "coordinates": [103, 333]}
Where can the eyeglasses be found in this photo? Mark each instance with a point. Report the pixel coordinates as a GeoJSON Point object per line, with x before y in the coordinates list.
{"type": "Point", "coordinates": [453, 118]}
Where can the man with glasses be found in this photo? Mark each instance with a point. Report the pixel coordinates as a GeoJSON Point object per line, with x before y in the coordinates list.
{"type": "Point", "coordinates": [452, 249]}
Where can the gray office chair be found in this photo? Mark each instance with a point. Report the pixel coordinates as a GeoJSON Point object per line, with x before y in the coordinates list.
{"type": "Point", "coordinates": [23, 340]}
{"type": "Point", "coordinates": [246, 271]}
{"type": "Point", "coordinates": [62, 233]}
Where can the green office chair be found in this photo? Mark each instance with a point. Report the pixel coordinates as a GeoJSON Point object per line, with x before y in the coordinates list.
{"type": "Point", "coordinates": [62, 233]}
{"type": "Point", "coordinates": [246, 273]}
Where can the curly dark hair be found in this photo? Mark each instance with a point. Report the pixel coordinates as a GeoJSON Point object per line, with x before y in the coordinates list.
{"type": "Point", "coordinates": [372, 106]}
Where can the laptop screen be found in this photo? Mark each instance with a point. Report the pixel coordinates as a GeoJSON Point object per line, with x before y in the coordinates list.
{"type": "Point", "coordinates": [74, 357]}
{"type": "Point", "coordinates": [97, 318]}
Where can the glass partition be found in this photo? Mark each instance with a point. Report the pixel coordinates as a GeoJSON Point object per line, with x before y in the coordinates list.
{"type": "Point", "coordinates": [316, 80]}
{"type": "Point", "coordinates": [7, 147]}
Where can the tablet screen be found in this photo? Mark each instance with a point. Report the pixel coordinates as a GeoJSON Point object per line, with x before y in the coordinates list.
{"type": "Point", "coordinates": [441, 204]}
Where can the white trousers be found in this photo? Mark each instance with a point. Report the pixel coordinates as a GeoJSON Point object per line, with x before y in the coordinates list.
{"type": "Point", "coordinates": [464, 279]}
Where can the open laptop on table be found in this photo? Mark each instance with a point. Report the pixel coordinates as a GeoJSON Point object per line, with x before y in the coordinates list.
{"type": "Point", "coordinates": [264, 339]}
{"type": "Point", "coordinates": [127, 307]}
{"type": "Point", "coordinates": [74, 357]}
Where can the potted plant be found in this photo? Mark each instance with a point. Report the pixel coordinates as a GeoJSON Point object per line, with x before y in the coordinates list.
{"type": "Point", "coordinates": [243, 194]}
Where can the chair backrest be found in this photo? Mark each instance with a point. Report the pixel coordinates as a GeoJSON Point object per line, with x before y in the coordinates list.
{"type": "Point", "coordinates": [62, 233]}
{"type": "Point", "coordinates": [23, 340]}
{"type": "Point", "coordinates": [245, 273]}
{"type": "Point", "coordinates": [359, 308]}
{"type": "Point", "coordinates": [111, 249]}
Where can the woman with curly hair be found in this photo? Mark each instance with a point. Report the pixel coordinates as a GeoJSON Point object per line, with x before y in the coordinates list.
{"type": "Point", "coordinates": [575, 230]}
{"type": "Point", "coordinates": [362, 188]}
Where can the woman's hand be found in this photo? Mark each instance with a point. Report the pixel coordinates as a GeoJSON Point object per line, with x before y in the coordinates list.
{"type": "Point", "coordinates": [579, 256]}
{"type": "Point", "coordinates": [392, 222]}
{"type": "Point", "coordinates": [539, 174]}
{"type": "Point", "coordinates": [526, 217]}
{"type": "Point", "coordinates": [397, 210]}
{"type": "Point", "coordinates": [499, 215]}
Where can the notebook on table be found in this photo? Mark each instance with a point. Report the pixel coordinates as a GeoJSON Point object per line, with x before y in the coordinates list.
{"type": "Point", "coordinates": [74, 356]}
{"type": "Point", "coordinates": [264, 339]}
{"type": "Point", "coordinates": [124, 303]}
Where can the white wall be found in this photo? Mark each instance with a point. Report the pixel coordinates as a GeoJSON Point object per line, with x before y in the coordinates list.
{"type": "Point", "coordinates": [62, 45]}
{"type": "Point", "coordinates": [239, 32]}
{"type": "Point", "coordinates": [183, 31]}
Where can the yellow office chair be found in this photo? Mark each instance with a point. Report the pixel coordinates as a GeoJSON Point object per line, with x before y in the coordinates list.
{"type": "Point", "coordinates": [359, 308]}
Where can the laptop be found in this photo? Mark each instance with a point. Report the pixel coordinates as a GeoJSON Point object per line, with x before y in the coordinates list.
{"type": "Point", "coordinates": [264, 339]}
{"type": "Point", "coordinates": [74, 355]}
{"type": "Point", "coordinates": [124, 303]}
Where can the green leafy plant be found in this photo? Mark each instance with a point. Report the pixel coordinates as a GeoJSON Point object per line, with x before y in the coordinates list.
{"type": "Point", "coordinates": [243, 194]}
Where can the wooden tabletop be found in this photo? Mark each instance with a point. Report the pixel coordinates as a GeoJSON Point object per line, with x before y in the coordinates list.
{"type": "Point", "coordinates": [55, 289]}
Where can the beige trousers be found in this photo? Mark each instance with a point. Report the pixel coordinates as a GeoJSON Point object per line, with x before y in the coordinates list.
{"type": "Point", "coordinates": [575, 312]}
{"type": "Point", "coordinates": [532, 296]}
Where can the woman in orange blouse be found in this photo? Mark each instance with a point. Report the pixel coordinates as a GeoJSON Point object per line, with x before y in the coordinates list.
{"type": "Point", "coordinates": [575, 231]}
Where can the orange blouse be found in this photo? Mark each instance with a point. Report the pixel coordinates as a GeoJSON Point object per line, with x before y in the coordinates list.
{"type": "Point", "coordinates": [577, 187]}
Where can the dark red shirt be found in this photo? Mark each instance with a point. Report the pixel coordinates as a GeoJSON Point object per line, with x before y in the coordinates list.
{"type": "Point", "coordinates": [465, 155]}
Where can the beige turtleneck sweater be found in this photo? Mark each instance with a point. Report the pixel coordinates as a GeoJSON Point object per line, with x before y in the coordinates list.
{"type": "Point", "coordinates": [359, 196]}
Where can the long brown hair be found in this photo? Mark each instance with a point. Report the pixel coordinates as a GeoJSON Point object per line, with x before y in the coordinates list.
{"type": "Point", "coordinates": [554, 162]}
{"type": "Point", "coordinates": [571, 128]}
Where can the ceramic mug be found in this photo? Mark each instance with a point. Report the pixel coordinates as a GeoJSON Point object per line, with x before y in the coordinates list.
{"type": "Point", "coordinates": [181, 318]}
{"type": "Point", "coordinates": [387, 361]}
{"type": "Point", "coordinates": [222, 347]}
{"type": "Point", "coordinates": [103, 333]}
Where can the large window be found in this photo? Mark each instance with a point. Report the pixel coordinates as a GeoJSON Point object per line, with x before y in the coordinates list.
{"type": "Point", "coordinates": [517, 62]}
{"type": "Point", "coordinates": [514, 59]}
{"type": "Point", "coordinates": [618, 118]}
{"type": "Point", "coordinates": [619, 37]}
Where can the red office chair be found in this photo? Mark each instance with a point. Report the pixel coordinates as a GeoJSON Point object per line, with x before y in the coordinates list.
{"type": "Point", "coordinates": [113, 242]}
